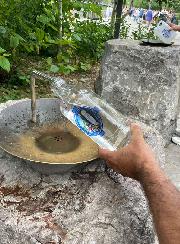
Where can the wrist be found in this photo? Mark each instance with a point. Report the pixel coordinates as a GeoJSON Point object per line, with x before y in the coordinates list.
{"type": "Point", "coordinates": [177, 28]}
{"type": "Point", "coordinates": [148, 170]}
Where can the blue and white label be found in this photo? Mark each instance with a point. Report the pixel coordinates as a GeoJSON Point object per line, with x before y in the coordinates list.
{"type": "Point", "coordinates": [88, 120]}
{"type": "Point", "coordinates": [166, 33]}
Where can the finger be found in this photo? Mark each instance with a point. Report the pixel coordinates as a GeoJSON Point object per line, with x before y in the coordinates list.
{"type": "Point", "coordinates": [136, 133]}
{"type": "Point", "coordinates": [106, 154]}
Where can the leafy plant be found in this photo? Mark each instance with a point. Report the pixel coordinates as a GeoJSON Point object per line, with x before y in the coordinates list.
{"type": "Point", "coordinates": [124, 31]}
{"type": "Point", "coordinates": [144, 33]}
{"type": "Point", "coordinates": [89, 38]}
{"type": "Point", "coordinates": [4, 61]}
{"type": "Point", "coordinates": [34, 28]}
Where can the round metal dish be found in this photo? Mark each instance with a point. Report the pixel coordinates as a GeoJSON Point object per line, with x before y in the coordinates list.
{"type": "Point", "coordinates": [51, 145]}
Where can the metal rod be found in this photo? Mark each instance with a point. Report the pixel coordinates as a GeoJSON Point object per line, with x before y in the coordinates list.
{"type": "Point", "coordinates": [33, 98]}
{"type": "Point", "coordinates": [41, 75]}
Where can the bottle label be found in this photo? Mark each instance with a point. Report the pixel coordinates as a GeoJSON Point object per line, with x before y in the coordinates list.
{"type": "Point", "coordinates": [88, 120]}
{"type": "Point", "coordinates": [166, 33]}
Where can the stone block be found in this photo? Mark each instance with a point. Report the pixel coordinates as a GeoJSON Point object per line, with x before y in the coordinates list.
{"type": "Point", "coordinates": [92, 205]}
{"type": "Point", "coordinates": [142, 82]}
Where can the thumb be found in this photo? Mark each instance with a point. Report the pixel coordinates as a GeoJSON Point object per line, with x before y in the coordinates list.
{"type": "Point", "coordinates": [106, 154]}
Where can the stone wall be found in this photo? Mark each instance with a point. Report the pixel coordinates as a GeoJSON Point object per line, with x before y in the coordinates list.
{"type": "Point", "coordinates": [142, 82]}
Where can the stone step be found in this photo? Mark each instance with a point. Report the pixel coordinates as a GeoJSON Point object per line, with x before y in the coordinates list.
{"type": "Point", "coordinates": [172, 165]}
{"type": "Point", "coordinates": [177, 132]}
{"type": "Point", "coordinates": [176, 140]}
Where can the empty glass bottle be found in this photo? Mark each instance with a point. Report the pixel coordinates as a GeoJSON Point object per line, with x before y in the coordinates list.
{"type": "Point", "coordinates": [91, 114]}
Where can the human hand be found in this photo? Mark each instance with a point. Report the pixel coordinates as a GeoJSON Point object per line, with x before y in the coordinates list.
{"type": "Point", "coordinates": [174, 27]}
{"type": "Point", "coordinates": [133, 159]}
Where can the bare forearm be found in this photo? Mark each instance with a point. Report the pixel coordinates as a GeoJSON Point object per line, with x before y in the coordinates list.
{"type": "Point", "coordinates": [164, 201]}
{"type": "Point", "coordinates": [137, 161]}
{"type": "Point", "coordinates": [175, 27]}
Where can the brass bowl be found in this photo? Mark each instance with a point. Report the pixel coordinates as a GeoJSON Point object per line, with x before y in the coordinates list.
{"type": "Point", "coordinates": [52, 144]}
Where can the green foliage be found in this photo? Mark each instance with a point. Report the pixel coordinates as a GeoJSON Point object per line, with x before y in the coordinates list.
{"type": "Point", "coordinates": [158, 4]}
{"type": "Point", "coordinates": [24, 79]}
{"type": "Point", "coordinates": [143, 33]}
{"type": "Point", "coordinates": [89, 38]}
{"type": "Point", "coordinates": [33, 27]}
{"type": "Point", "coordinates": [4, 62]}
{"type": "Point", "coordinates": [174, 4]}
{"type": "Point", "coordinates": [124, 29]}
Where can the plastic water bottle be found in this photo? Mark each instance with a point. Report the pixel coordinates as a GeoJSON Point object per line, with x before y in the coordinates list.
{"type": "Point", "coordinates": [164, 32]}
{"type": "Point", "coordinates": [92, 115]}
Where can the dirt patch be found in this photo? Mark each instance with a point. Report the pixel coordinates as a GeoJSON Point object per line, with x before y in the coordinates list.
{"type": "Point", "coordinates": [14, 191]}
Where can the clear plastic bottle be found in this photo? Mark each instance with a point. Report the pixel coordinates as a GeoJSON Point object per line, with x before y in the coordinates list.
{"type": "Point", "coordinates": [91, 114]}
{"type": "Point", "coordinates": [164, 32]}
